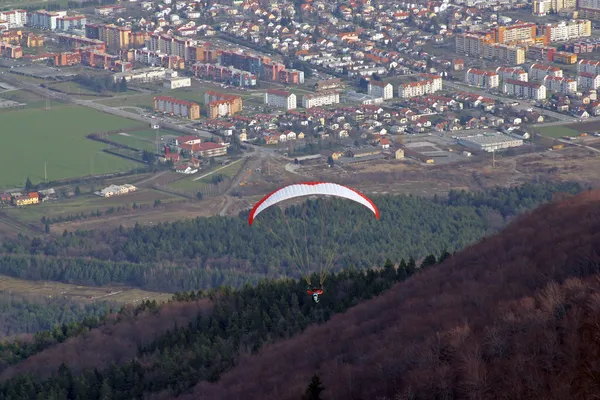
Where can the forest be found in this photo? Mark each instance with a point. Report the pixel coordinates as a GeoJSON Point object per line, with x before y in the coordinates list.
{"type": "Point", "coordinates": [224, 338]}
{"type": "Point", "coordinates": [205, 253]}
{"type": "Point", "coordinates": [241, 322]}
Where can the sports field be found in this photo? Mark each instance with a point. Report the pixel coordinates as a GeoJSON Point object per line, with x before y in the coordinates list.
{"type": "Point", "coordinates": [557, 131]}
{"type": "Point", "coordinates": [34, 137]}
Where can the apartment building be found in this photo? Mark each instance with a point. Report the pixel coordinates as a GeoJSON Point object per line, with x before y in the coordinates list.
{"type": "Point", "coordinates": [320, 99]}
{"type": "Point", "coordinates": [567, 30]}
{"type": "Point", "coordinates": [115, 37]}
{"type": "Point", "coordinates": [545, 7]}
{"type": "Point", "coordinates": [537, 72]}
{"type": "Point", "coordinates": [43, 19]}
{"type": "Point", "coordinates": [414, 89]}
{"type": "Point", "coordinates": [482, 78]}
{"type": "Point", "coordinates": [587, 80]}
{"type": "Point", "coordinates": [169, 44]}
{"type": "Point", "coordinates": [14, 18]}
{"type": "Point", "coordinates": [508, 54]}
{"type": "Point", "coordinates": [590, 66]}
{"type": "Point", "coordinates": [176, 107]}
{"type": "Point", "coordinates": [518, 74]}
{"type": "Point", "coordinates": [560, 84]}
{"type": "Point", "coordinates": [541, 53]}
{"type": "Point", "coordinates": [514, 33]}
{"type": "Point", "coordinates": [70, 23]}
{"type": "Point", "coordinates": [230, 75]}
{"type": "Point", "coordinates": [564, 57]}
{"type": "Point", "coordinates": [151, 74]}
{"type": "Point", "coordinates": [384, 90]}
{"type": "Point", "coordinates": [222, 104]}
{"type": "Point", "coordinates": [280, 99]}
{"type": "Point", "coordinates": [435, 79]}
{"type": "Point", "coordinates": [589, 9]}
{"type": "Point", "coordinates": [471, 44]}
{"type": "Point", "coordinates": [529, 90]}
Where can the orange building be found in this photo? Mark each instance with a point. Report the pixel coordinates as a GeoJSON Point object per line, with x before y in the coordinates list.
{"type": "Point", "coordinates": [203, 54]}
{"type": "Point", "coordinates": [11, 37]}
{"type": "Point", "coordinates": [221, 104]}
{"type": "Point", "coordinates": [10, 50]}
{"type": "Point", "coordinates": [564, 57]}
{"type": "Point", "coordinates": [67, 59]}
{"type": "Point", "coordinates": [514, 33]}
{"type": "Point", "coordinates": [33, 40]}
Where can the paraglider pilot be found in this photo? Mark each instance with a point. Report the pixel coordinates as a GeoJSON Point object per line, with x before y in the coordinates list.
{"type": "Point", "coordinates": [315, 294]}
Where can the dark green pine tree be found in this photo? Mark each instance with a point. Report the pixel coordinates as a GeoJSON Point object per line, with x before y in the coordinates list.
{"type": "Point", "coordinates": [314, 389]}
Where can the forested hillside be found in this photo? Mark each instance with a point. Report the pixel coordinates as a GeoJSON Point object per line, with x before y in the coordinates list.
{"type": "Point", "coordinates": [216, 338]}
{"type": "Point", "coordinates": [227, 324]}
{"type": "Point", "coordinates": [209, 252]}
{"type": "Point", "coordinates": [516, 316]}
{"type": "Point", "coordinates": [21, 314]}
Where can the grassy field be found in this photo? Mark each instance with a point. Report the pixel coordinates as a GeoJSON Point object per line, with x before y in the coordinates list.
{"type": "Point", "coordinates": [557, 131]}
{"type": "Point", "coordinates": [188, 183]}
{"type": "Point", "coordinates": [31, 100]}
{"type": "Point", "coordinates": [32, 137]}
{"type": "Point", "coordinates": [133, 141]}
{"type": "Point", "coordinates": [117, 294]}
{"type": "Point", "coordinates": [87, 204]}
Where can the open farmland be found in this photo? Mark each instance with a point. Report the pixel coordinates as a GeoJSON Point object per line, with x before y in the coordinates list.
{"type": "Point", "coordinates": [32, 137]}
{"type": "Point", "coordinates": [118, 294]}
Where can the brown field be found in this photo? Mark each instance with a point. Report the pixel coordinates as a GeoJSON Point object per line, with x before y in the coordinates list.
{"type": "Point", "coordinates": [118, 294]}
{"type": "Point", "coordinates": [164, 213]}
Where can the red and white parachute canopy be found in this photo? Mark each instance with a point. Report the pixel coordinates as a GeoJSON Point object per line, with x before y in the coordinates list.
{"type": "Point", "coordinates": [310, 189]}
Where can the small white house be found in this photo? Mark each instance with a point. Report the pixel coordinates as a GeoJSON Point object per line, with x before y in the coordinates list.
{"type": "Point", "coordinates": [186, 169]}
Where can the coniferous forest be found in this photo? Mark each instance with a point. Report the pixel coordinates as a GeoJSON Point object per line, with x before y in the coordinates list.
{"type": "Point", "coordinates": [205, 253]}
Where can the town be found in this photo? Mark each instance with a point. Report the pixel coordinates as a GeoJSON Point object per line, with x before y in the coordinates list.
{"type": "Point", "coordinates": [221, 93]}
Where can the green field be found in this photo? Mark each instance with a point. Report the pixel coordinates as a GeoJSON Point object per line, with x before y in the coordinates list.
{"type": "Point", "coordinates": [57, 138]}
{"type": "Point", "coordinates": [557, 131]}
{"type": "Point", "coordinates": [133, 141]}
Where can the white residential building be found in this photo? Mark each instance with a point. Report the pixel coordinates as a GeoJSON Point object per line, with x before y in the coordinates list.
{"type": "Point", "coordinates": [530, 90]}
{"type": "Point", "coordinates": [384, 90]}
{"type": "Point", "coordinates": [560, 84]}
{"type": "Point", "coordinates": [537, 72]}
{"type": "Point", "coordinates": [280, 99]}
{"type": "Point", "coordinates": [436, 81]}
{"type": "Point", "coordinates": [518, 74]}
{"type": "Point", "coordinates": [320, 99]}
{"type": "Point", "coordinates": [589, 66]}
{"type": "Point", "coordinates": [45, 19]}
{"type": "Point", "coordinates": [427, 84]}
{"type": "Point", "coordinates": [14, 18]}
{"type": "Point", "coordinates": [481, 78]}
{"type": "Point", "coordinates": [587, 80]}
{"type": "Point", "coordinates": [566, 30]}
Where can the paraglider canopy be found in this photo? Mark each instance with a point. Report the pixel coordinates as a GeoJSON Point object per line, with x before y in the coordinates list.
{"type": "Point", "coordinates": [309, 189]}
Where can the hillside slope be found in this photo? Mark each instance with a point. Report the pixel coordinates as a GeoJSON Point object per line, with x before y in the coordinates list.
{"type": "Point", "coordinates": [116, 341]}
{"type": "Point", "coordinates": [514, 316]}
